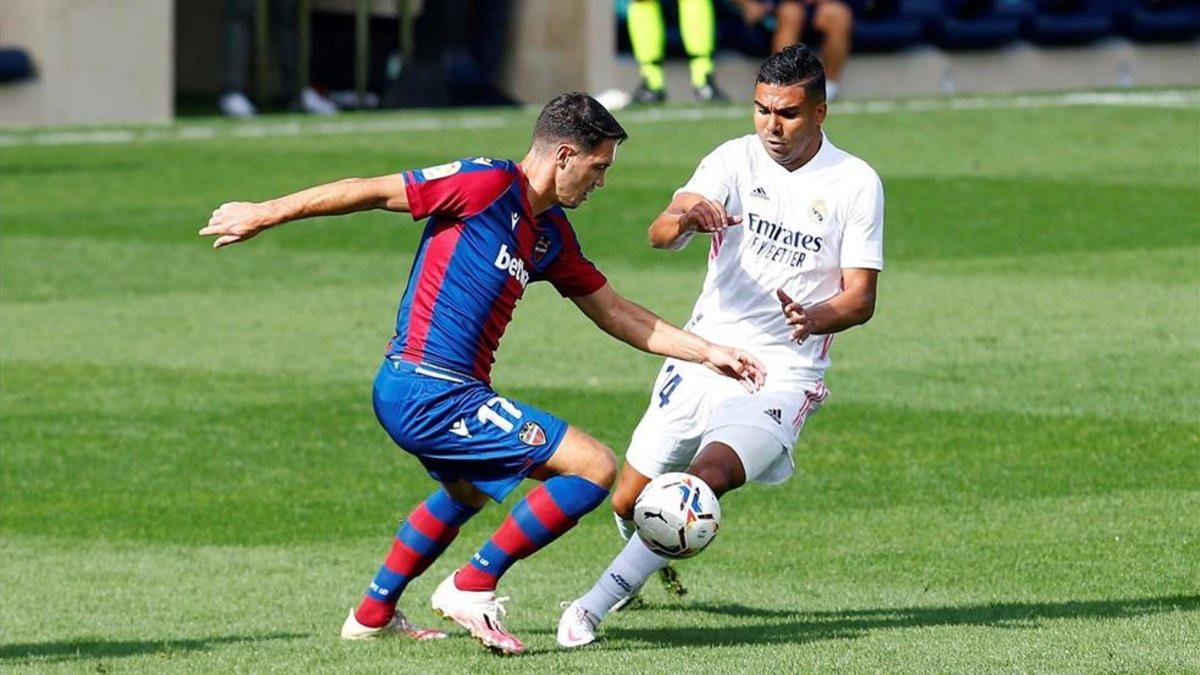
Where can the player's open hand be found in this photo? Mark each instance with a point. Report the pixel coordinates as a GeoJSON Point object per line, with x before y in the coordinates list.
{"type": "Point", "coordinates": [801, 321]}
{"type": "Point", "coordinates": [235, 222]}
{"type": "Point", "coordinates": [737, 364]}
{"type": "Point", "coordinates": [708, 216]}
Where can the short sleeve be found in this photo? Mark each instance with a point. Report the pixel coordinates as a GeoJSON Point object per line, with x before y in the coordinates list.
{"type": "Point", "coordinates": [713, 178]}
{"type": "Point", "coordinates": [570, 272]}
{"type": "Point", "coordinates": [862, 237]}
{"type": "Point", "coordinates": [456, 190]}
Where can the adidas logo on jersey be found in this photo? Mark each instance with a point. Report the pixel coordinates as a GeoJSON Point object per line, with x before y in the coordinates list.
{"type": "Point", "coordinates": [514, 264]}
{"type": "Point", "coordinates": [775, 414]}
{"type": "Point", "coordinates": [759, 192]}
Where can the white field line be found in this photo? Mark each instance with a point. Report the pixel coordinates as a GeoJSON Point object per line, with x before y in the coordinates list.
{"type": "Point", "coordinates": [1175, 98]}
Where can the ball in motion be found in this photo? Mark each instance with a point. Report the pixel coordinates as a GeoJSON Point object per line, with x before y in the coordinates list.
{"type": "Point", "coordinates": [677, 515]}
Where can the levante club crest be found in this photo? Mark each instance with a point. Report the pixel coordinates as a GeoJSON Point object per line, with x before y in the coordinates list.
{"type": "Point", "coordinates": [531, 434]}
{"type": "Point", "coordinates": [540, 248]}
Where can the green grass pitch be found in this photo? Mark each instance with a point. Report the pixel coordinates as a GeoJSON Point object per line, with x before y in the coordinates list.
{"type": "Point", "coordinates": [1005, 478]}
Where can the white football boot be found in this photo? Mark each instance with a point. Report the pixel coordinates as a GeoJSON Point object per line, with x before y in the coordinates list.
{"type": "Point", "coordinates": [311, 101]}
{"type": "Point", "coordinates": [399, 625]}
{"type": "Point", "coordinates": [477, 611]}
{"type": "Point", "coordinates": [235, 104]}
{"type": "Point", "coordinates": [577, 627]}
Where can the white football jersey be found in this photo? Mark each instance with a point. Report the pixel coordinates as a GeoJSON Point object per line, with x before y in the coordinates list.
{"type": "Point", "coordinates": [799, 230]}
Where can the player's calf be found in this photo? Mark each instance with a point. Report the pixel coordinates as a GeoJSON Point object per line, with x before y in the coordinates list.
{"type": "Point", "coordinates": [629, 486]}
{"type": "Point", "coordinates": [421, 538]}
{"type": "Point", "coordinates": [580, 455]}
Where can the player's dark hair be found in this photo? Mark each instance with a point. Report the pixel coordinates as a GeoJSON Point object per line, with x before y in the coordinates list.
{"type": "Point", "coordinates": [796, 64]}
{"type": "Point", "coordinates": [578, 118]}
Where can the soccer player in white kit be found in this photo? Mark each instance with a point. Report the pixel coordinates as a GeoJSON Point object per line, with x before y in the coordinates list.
{"type": "Point", "coordinates": [796, 229]}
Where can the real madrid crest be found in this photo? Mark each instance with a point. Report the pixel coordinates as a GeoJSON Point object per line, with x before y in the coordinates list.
{"type": "Point", "coordinates": [817, 211]}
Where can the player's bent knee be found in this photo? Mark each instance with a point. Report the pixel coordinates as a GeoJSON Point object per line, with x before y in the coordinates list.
{"type": "Point", "coordinates": [597, 462]}
{"type": "Point", "coordinates": [717, 478]}
{"type": "Point", "coordinates": [623, 501]}
{"type": "Point", "coordinates": [719, 467]}
{"type": "Point", "coordinates": [604, 468]}
{"type": "Point", "coordinates": [629, 486]}
{"type": "Point", "coordinates": [581, 455]}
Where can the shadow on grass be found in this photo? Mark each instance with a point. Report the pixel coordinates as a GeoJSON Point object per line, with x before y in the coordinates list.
{"type": "Point", "coordinates": [76, 650]}
{"type": "Point", "coordinates": [774, 626]}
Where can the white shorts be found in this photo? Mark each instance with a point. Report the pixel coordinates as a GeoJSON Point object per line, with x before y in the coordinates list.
{"type": "Point", "coordinates": [692, 406]}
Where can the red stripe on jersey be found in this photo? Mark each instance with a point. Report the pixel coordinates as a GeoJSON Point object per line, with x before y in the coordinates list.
{"type": "Point", "coordinates": [497, 320]}
{"type": "Point", "coordinates": [572, 274]}
{"type": "Point", "coordinates": [429, 283]}
{"type": "Point", "coordinates": [493, 328]}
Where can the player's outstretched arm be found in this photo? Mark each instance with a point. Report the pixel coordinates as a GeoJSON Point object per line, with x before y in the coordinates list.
{"type": "Point", "coordinates": [235, 222]}
{"type": "Point", "coordinates": [688, 212]}
{"type": "Point", "coordinates": [853, 306]}
{"type": "Point", "coordinates": [639, 327]}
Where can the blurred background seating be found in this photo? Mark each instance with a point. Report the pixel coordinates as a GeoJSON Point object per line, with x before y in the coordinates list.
{"type": "Point", "coordinates": [427, 53]}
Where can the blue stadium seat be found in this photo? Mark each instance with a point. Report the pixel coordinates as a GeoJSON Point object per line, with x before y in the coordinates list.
{"type": "Point", "coordinates": [1068, 22]}
{"type": "Point", "coordinates": [978, 24]}
{"type": "Point", "coordinates": [1158, 20]}
{"type": "Point", "coordinates": [885, 25]}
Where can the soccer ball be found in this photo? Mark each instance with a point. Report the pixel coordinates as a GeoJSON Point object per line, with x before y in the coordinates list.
{"type": "Point", "coordinates": [677, 515]}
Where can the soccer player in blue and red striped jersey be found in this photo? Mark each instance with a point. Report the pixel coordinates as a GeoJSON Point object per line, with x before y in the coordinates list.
{"type": "Point", "coordinates": [492, 227]}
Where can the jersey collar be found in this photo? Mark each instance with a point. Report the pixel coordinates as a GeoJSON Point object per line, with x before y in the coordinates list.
{"type": "Point", "coordinates": [816, 162]}
{"type": "Point", "coordinates": [523, 190]}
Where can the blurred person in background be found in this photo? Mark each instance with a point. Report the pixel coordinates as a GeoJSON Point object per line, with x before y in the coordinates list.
{"type": "Point", "coordinates": [455, 59]}
{"type": "Point", "coordinates": [647, 34]}
{"type": "Point", "coordinates": [236, 31]}
{"type": "Point", "coordinates": [828, 23]}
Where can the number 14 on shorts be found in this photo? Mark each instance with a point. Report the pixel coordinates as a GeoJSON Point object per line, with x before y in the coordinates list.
{"type": "Point", "coordinates": [668, 388]}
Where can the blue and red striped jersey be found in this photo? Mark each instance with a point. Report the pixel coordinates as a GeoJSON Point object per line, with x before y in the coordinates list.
{"type": "Point", "coordinates": [481, 246]}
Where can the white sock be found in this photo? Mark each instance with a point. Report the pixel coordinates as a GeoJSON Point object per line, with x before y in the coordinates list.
{"type": "Point", "coordinates": [625, 526]}
{"type": "Point", "coordinates": [624, 576]}
{"type": "Point", "coordinates": [831, 90]}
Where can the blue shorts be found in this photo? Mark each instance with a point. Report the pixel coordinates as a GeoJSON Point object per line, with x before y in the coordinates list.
{"type": "Point", "coordinates": [459, 428]}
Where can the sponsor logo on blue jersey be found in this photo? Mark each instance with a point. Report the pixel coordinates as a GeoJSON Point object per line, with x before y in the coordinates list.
{"type": "Point", "coordinates": [513, 264]}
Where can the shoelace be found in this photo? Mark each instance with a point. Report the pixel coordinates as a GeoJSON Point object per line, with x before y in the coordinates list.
{"type": "Point", "coordinates": [494, 609]}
